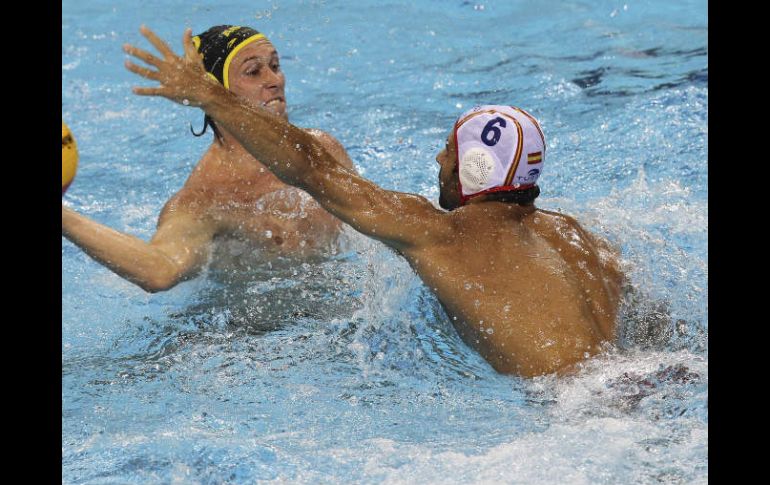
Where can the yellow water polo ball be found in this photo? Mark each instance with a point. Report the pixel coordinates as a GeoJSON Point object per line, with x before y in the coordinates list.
{"type": "Point", "coordinates": [69, 157]}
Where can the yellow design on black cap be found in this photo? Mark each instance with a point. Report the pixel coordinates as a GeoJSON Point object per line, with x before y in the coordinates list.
{"type": "Point", "coordinates": [229, 31]}
{"type": "Point", "coordinates": [220, 44]}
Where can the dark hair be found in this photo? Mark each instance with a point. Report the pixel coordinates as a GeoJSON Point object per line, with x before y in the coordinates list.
{"type": "Point", "coordinates": [526, 196]}
{"type": "Point", "coordinates": [207, 121]}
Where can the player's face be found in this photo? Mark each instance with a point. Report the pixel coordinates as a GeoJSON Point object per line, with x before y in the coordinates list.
{"type": "Point", "coordinates": [449, 195]}
{"type": "Point", "coordinates": [255, 74]}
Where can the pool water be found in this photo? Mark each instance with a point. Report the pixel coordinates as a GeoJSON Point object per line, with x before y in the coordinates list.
{"type": "Point", "coordinates": [347, 370]}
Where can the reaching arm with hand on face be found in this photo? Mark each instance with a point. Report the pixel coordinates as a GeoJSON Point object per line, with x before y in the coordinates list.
{"type": "Point", "coordinates": [292, 154]}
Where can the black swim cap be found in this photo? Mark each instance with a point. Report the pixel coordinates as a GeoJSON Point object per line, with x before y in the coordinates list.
{"type": "Point", "coordinates": [219, 44]}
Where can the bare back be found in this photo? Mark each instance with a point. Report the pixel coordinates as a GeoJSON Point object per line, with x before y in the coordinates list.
{"type": "Point", "coordinates": [528, 289]}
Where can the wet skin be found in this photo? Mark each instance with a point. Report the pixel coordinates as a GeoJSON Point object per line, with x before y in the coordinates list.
{"type": "Point", "coordinates": [229, 196]}
{"type": "Point", "coordinates": [530, 290]}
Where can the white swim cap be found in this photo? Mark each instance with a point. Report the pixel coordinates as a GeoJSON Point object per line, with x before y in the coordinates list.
{"type": "Point", "coordinates": [499, 148]}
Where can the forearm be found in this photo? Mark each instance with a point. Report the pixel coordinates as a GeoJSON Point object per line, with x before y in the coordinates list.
{"type": "Point", "coordinates": [298, 158]}
{"type": "Point", "coordinates": [127, 256]}
{"type": "Point", "coordinates": [295, 156]}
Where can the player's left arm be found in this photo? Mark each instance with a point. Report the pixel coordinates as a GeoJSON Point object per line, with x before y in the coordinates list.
{"type": "Point", "coordinates": [296, 157]}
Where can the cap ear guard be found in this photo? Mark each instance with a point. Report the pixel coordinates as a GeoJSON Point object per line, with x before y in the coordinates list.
{"type": "Point", "coordinates": [477, 167]}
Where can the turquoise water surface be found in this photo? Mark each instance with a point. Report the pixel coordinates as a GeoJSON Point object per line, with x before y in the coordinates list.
{"type": "Point", "coordinates": [347, 370]}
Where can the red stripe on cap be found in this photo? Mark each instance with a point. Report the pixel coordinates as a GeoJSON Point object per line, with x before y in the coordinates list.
{"type": "Point", "coordinates": [534, 122]}
{"type": "Point", "coordinates": [517, 156]}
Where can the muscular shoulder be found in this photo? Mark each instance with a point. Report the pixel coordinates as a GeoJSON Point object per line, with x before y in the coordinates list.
{"type": "Point", "coordinates": [187, 202]}
{"type": "Point", "coordinates": [560, 226]}
{"type": "Point", "coordinates": [557, 218]}
{"type": "Point", "coordinates": [572, 232]}
{"type": "Point", "coordinates": [324, 137]}
{"type": "Point", "coordinates": [332, 145]}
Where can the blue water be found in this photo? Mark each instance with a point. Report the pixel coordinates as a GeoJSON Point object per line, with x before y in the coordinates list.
{"type": "Point", "coordinates": [347, 371]}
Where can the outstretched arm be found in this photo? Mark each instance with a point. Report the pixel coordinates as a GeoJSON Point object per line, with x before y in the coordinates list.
{"type": "Point", "coordinates": [293, 155]}
{"type": "Point", "coordinates": [176, 252]}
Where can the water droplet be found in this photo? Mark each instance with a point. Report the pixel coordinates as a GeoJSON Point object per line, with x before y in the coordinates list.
{"type": "Point", "coordinates": [268, 234]}
{"type": "Point", "coordinates": [186, 102]}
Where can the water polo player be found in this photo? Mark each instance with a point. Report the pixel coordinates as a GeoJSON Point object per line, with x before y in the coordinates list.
{"type": "Point", "coordinates": [220, 199]}
{"type": "Point", "coordinates": [531, 290]}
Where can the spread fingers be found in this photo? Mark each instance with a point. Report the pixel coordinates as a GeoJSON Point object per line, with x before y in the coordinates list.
{"type": "Point", "coordinates": [142, 71]}
{"type": "Point", "coordinates": [143, 55]}
{"type": "Point", "coordinates": [149, 91]}
{"type": "Point", "coordinates": [159, 44]}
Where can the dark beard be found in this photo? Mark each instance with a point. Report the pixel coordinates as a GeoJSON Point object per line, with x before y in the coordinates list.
{"type": "Point", "coordinates": [445, 204]}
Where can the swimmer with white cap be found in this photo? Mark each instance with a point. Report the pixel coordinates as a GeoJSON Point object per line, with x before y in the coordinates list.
{"type": "Point", "coordinates": [230, 197]}
{"type": "Point", "coordinates": [531, 290]}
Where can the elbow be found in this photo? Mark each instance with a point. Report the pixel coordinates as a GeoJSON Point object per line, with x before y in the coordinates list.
{"type": "Point", "coordinates": [153, 288]}
{"type": "Point", "coordinates": [156, 286]}
{"type": "Point", "coordinates": [159, 282]}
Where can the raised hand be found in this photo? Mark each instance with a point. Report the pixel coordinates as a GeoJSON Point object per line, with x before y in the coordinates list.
{"type": "Point", "coordinates": [182, 79]}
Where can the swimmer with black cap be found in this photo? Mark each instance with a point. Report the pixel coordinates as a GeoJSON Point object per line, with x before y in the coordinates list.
{"type": "Point", "coordinates": [220, 199]}
{"type": "Point", "coordinates": [531, 290]}
{"type": "Point", "coordinates": [220, 45]}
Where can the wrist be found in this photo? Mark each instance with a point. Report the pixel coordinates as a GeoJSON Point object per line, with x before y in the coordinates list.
{"type": "Point", "coordinates": [211, 94]}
